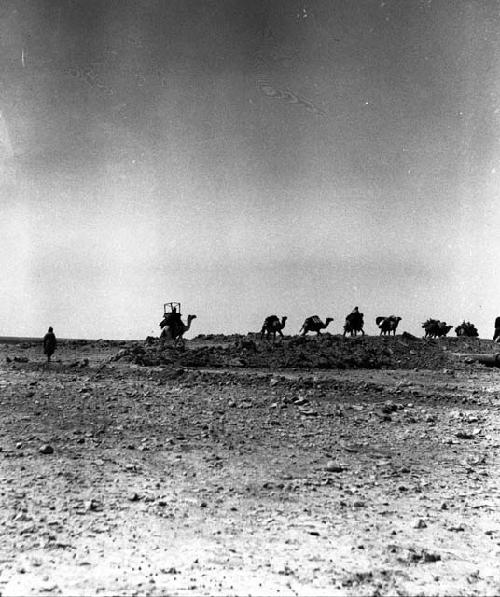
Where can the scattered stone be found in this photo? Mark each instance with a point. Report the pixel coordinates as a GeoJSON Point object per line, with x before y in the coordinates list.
{"type": "Point", "coordinates": [420, 524]}
{"type": "Point", "coordinates": [93, 505]}
{"type": "Point", "coordinates": [300, 401]}
{"type": "Point", "coordinates": [457, 528]}
{"type": "Point", "coordinates": [21, 359]}
{"type": "Point", "coordinates": [46, 449]}
{"type": "Point", "coordinates": [423, 556]}
{"type": "Point", "coordinates": [308, 412]}
{"type": "Point", "coordinates": [334, 467]}
{"type": "Point", "coordinates": [430, 557]}
{"type": "Point", "coordinates": [389, 407]}
{"type": "Point", "coordinates": [464, 435]}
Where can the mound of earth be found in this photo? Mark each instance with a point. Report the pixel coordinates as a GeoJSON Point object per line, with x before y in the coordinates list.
{"type": "Point", "coordinates": [325, 352]}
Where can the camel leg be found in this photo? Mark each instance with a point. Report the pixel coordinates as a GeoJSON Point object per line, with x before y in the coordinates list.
{"type": "Point", "coordinates": [165, 337]}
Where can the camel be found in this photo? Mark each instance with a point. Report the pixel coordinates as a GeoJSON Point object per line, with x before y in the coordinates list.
{"type": "Point", "coordinates": [273, 325]}
{"type": "Point", "coordinates": [466, 328]}
{"type": "Point", "coordinates": [354, 323]}
{"type": "Point", "coordinates": [435, 328]}
{"type": "Point", "coordinates": [496, 335]}
{"type": "Point", "coordinates": [388, 324]}
{"type": "Point", "coordinates": [173, 330]}
{"type": "Point", "coordinates": [314, 324]}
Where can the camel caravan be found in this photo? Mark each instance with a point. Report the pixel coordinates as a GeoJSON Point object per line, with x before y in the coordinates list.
{"type": "Point", "coordinates": [173, 327]}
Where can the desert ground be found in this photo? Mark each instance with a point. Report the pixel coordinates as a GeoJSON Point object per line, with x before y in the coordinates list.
{"type": "Point", "coordinates": [316, 466]}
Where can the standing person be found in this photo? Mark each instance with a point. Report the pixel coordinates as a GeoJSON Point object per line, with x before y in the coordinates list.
{"type": "Point", "coordinates": [49, 344]}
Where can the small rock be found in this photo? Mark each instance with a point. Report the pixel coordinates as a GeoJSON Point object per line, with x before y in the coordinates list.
{"type": "Point", "coordinates": [430, 557]}
{"type": "Point", "coordinates": [300, 401]}
{"type": "Point", "coordinates": [93, 505]}
{"type": "Point", "coordinates": [424, 556]}
{"type": "Point", "coordinates": [420, 524]}
{"type": "Point", "coordinates": [389, 407]}
{"type": "Point", "coordinates": [46, 449]}
{"type": "Point", "coordinates": [308, 412]}
{"type": "Point", "coordinates": [334, 467]}
{"type": "Point", "coordinates": [457, 528]}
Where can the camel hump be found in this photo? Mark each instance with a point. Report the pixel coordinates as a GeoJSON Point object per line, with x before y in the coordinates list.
{"type": "Point", "coordinates": [379, 320]}
{"type": "Point", "coordinates": [271, 320]}
{"type": "Point", "coordinates": [313, 320]}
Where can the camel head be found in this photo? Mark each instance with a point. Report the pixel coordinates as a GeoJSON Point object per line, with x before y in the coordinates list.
{"type": "Point", "coordinates": [190, 319]}
{"type": "Point", "coordinates": [283, 321]}
{"type": "Point", "coordinates": [328, 320]}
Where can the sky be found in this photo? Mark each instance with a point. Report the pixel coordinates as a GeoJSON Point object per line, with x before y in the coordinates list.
{"type": "Point", "coordinates": [246, 159]}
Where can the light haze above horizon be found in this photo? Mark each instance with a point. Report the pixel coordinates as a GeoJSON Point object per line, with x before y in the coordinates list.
{"type": "Point", "coordinates": [247, 159]}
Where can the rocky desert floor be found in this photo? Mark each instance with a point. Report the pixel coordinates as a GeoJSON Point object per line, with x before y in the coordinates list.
{"type": "Point", "coordinates": [206, 472]}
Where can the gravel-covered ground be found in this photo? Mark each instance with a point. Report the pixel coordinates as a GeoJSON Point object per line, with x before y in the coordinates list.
{"type": "Point", "coordinates": [277, 474]}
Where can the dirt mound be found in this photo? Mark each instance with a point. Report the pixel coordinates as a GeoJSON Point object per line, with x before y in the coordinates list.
{"type": "Point", "coordinates": [325, 352]}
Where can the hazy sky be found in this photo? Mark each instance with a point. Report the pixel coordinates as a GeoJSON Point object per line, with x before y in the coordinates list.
{"type": "Point", "coordinates": [247, 158]}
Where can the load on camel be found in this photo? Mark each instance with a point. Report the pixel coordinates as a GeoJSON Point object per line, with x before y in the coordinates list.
{"type": "Point", "coordinates": [173, 328]}
{"type": "Point", "coordinates": [314, 324]}
{"type": "Point", "coordinates": [467, 329]}
{"type": "Point", "coordinates": [272, 326]}
{"type": "Point", "coordinates": [388, 324]}
{"type": "Point", "coordinates": [354, 323]}
{"type": "Point", "coordinates": [435, 328]}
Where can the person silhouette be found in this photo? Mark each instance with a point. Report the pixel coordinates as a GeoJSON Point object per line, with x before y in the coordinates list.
{"type": "Point", "coordinates": [49, 343]}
